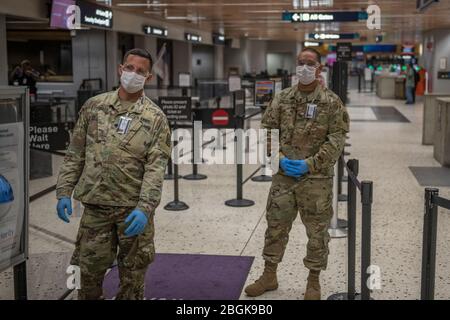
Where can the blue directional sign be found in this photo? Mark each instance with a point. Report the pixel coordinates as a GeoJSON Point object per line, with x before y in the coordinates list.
{"type": "Point", "coordinates": [340, 16]}
{"type": "Point", "coordinates": [333, 36]}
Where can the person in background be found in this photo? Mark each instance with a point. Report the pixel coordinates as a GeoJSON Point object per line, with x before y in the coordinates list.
{"type": "Point", "coordinates": [25, 75]}
{"type": "Point", "coordinates": [410, 84]}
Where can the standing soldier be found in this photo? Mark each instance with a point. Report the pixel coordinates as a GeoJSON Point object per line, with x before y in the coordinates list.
{"type": "Point", "coordinates": [312, 124]}
{"type": "Point", "coordinates": [115, 166]}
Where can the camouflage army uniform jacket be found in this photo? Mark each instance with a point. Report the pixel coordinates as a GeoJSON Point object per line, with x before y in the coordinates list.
{"type": "Point", "coordinates": [318, 140]}
{"type": "Point", "coordinates": [105, 167]}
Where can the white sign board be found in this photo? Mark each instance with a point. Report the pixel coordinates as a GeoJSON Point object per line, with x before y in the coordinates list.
{"type": "Point", "coordinates": [184, 79]}
{"type": "Point", "coordinates": [12, 176]}
{"type": "Point", "coordinates": [234, 83]}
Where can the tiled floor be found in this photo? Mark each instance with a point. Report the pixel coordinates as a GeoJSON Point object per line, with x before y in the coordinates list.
{"type": "Point", "coordinates": [385, 150]}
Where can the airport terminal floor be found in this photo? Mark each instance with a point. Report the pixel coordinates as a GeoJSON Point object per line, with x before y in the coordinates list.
{"type": "Point", "coordinates": [322, 172]}
{"type": "Point", "coordinates": [386, 149]}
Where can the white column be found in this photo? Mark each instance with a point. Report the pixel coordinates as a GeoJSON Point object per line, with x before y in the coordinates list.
{"type": "Point", "coordinates": [218, 62]}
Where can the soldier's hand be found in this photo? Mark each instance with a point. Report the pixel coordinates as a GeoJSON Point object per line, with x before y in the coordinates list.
{"type": "Point", "coordinates": [138, 221]}
{"type": "Point", "coordinates": [296, 168]}
{"type": "Point", "coordinates": [64, 208]}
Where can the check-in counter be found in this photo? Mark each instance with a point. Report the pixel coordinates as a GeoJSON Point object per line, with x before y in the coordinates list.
{"type": "Point", "coordinates": [390, 86]}
{"type": "Point", "coordinates": [442, 132]}
{"type": "Point", "coordinates": [429, 116]}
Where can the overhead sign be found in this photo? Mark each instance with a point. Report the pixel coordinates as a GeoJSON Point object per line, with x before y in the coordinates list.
{"type": "Point", "coordinates": [177, 109]}
{"type": "Point", "coordinates": [333, 36]}
{"type": "Point", "coordinates": [155, 31]}
{"type": "Point", "coordinates": [192, 37]}
{"type": "Point", "coordinates": [50, 136]}
{"type": "Point", "coordinates": [423, 4]}
{"type": "Point", "coordinates": [218, 38]}
{"type": "Point", "coordinates": [95, 15]}
{"type": "Point", "coordinates": [59, 15]}
{"type": "Point", "coordinates": [344, 51]}
{"type": "Point", "coordinates": [312, 44]}
{"type": "Point", "coordinates": [340, 16]}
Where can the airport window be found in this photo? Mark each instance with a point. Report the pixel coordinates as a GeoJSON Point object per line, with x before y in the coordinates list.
{"type": "Point", "coordinates": [49, 60]}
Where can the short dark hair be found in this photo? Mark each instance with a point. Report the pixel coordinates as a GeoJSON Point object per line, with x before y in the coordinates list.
{"type": "Point", "coordinates": [141, 53]}
{"type": "Point", "coordinates": [317, 53]}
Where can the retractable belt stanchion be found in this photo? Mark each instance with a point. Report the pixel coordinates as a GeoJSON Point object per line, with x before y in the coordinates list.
{"type": "Point", "coordinates": [366, 190]}
{"type": "Point", "coordinates": [366, 201]}
{"type": "Point", "coordinates": [169, 175]}
{"type": "Point", "coordinates": [263, 177]}
{"type": "Point", "coordinates": [429, 245]}
{"type": "Point", "coordinates": [239, 201]}
{"type": "Point", "coordinates": [20, 281]}
{"type": "Point", "coordinates": [176, 204]}
{"type": "Point", "coordinates": [194, 175]}
{"type": "Point", "coordinates": [335, 231]}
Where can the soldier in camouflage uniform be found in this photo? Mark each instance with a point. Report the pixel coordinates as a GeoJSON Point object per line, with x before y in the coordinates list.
{"type": "Point", "coordinates": [115, 166]}
{"type": "Point", "coordinates": [312, 124]}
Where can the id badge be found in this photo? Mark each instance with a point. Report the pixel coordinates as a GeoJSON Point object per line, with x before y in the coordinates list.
{"type": "Point", "coordinates": [311, 110]}
{"type": "Point", "coordinates": [124, 125]}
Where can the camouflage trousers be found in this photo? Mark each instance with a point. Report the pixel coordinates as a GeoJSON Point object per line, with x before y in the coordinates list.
{"type": "Point", "coordinates": [313, 199]}
{"type": "Point", "coordinates": [100, 241]}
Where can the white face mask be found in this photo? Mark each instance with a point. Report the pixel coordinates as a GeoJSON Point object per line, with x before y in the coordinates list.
{"type": "Point", "coordinates": [306, 74]}
{"type": "Point", "coordinates": [132, 82]}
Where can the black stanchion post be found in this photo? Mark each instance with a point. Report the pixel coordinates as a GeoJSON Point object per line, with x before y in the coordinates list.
{"type": "Point", "coordinates": [359, 81]}
{"type": "Point", "coordinates": [366, 200]}
{"type": "Point", "coordinates": [20, 281]}
{"type": "Point", "coordinates": [176, 204]}
{"type": "Point", "coordinates": [429, 245]}
{"type": "Point", "coordinates": [195, 175]}
{"type": "Point", "coordinates": [169, 174]}
{"type": "Point", "coordinates": [353, 165]}
{"type": "Point", "coordinates": [239, 201]}
{"type": "Point", "coordinates": [342, 197]}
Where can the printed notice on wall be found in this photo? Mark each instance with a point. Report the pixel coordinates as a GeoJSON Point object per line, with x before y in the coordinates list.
{"type": "Point", "coordinates": [12, 200]}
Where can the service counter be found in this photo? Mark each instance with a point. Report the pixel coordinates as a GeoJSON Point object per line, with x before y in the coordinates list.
{"type": "Point", "coordinates": [390, 86]}
{"type": "Point", "coordinates": [429, 116]}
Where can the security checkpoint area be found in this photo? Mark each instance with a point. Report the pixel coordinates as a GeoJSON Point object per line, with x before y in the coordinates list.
{"type": "Point", "coordinates": [225, 158]}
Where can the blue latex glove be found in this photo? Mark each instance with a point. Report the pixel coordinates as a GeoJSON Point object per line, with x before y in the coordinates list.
{"type": "Point", "coordinates": [283, 163]}
{"type": "Point", "coordinates": [64, 208]}
{"type": "Point", "coordinates": [297, 168]}
{"type": "Point", "coordinates": [138, 221]}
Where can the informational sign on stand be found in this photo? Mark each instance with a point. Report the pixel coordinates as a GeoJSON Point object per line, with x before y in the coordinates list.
{"type": "Point", "coordinates": [264, 91]}
{"type": "Point", "coordinates": [177, 109]}
{"type": "Point", "coordinates": [234, 83]}
{"type": "Point", "coordinates": [184, 79]}
{"type": "Point", "coordinates": [344, 51]}
{"type": "Point", "coordinates": [278, 86]}
{"type": "Point", "coordinates": [50, 136]}
{"type": "Point", "coordinates": [239, 102]}
{"type": "Point", "coordinates": [13, 177]}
